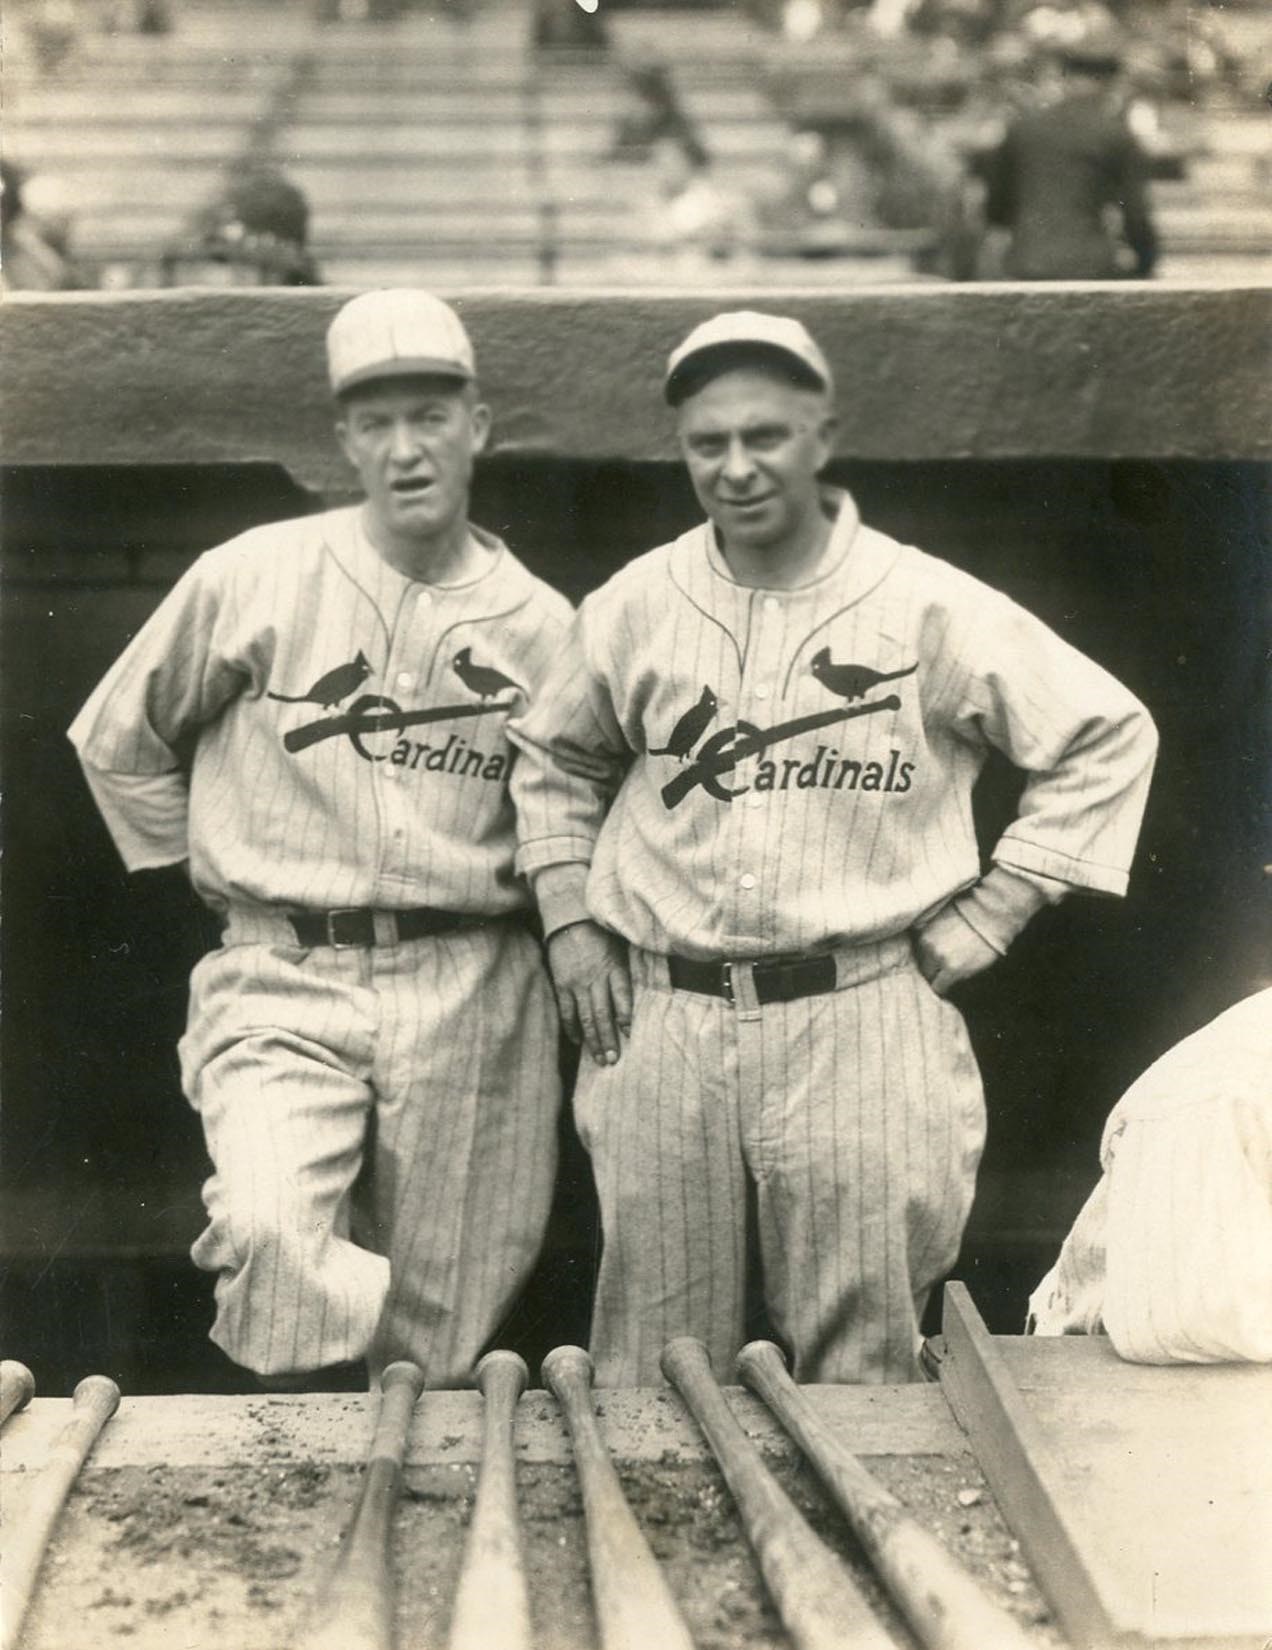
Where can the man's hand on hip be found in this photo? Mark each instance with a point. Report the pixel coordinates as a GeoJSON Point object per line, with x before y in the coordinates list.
{"type": "Point", "coordinates": [593, 987]}
{"type": "Point", "coordinates": [948, 950]}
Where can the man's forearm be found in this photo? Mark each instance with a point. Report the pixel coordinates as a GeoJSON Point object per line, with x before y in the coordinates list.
{"type": "Point", "coordinates": [148, 815]}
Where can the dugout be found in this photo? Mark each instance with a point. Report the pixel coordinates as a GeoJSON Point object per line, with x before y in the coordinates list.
{"type": "Point", "coordinates": [1101, 453]}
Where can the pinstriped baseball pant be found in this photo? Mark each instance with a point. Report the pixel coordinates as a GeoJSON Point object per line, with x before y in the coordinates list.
{"type": "Point", "coordinates": [857, 1118]}
{"type": "Point", "coordinates": [440, 1051]}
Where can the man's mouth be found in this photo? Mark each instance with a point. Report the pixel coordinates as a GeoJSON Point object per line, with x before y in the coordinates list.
{"type": "Point", "coordinates": [747, 503]}
{"type": "Point", "coordinates": [408, 487]}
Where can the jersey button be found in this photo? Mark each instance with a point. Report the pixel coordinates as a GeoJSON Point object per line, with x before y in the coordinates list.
{"type": "Point", "coordinates": [755, 800]}
{"type": "Point", "coordinates": [746, 880]}
{"type": "Point", "coordinates": [761, 692]}
{"type": "Point", "coordinates": [772, 603]}
{"type": "Point", "coordinates": [405, 679]}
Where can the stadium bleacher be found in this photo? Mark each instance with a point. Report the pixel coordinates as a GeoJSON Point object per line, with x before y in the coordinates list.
{"type": "Point", "coordinates": [446, 151]}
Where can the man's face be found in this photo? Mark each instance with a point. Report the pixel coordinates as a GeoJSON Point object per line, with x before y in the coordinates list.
{"type": "Point", "coordinates": [754, 446]}
{"type": "Point", "coordinates": [413, 442]}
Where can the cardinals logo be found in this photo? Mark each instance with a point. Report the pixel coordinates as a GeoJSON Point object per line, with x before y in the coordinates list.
{"type": "Point", "coordinates": [723, 751]}
{"type": "Point", "coordinates": [376, 713]}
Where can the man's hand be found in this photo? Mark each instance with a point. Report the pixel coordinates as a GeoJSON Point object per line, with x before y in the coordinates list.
{"type": "Point", "coordinates": [948, 950]}
{"type": "Point", "coordinates": [593, 987]}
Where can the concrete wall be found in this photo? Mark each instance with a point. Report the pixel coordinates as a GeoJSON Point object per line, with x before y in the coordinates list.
{"type": "Point", "coordinates": [1001, 432]}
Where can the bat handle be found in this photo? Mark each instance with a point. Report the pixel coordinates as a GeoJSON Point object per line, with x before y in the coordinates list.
{"type": "Point", "coordinates": [17, 1388]}
{"type": "Point", "coordinates": [93, 1402]}
{"type": "Point", "coordinates": [400, 1388]}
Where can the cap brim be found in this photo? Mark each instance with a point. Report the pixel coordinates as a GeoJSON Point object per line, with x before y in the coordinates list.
{"type": "Point", "coordinates": [696, 369]}
{"type": "Point", "coordinates": [413, 366]}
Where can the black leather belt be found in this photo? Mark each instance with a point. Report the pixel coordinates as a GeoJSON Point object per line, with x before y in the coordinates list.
{"type": "Point", "coordinates": [352, 927]}
{"type": "Point", "coordinates": [778, 981]}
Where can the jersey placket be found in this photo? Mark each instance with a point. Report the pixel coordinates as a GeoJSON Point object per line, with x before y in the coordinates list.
{"type": "Point", "coordinates": [751, 810]}
{"type": "Point", "coordinates": [399, 798]}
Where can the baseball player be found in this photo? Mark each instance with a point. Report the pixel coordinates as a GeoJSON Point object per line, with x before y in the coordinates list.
{"type": "Point", "coordinates": [1171, 1255]}
{"type": "Point", "coordinates": [744, 800]}
{"type": "Point", "coordinates": [315, 718]}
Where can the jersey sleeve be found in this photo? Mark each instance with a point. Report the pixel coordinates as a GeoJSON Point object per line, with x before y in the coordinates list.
{"type": "Point", "coordinates": [1085, 742]}
{"type": "Point", "coordinates": [175, 676]}
{"type": "Point", "coordinates": [572, 757]}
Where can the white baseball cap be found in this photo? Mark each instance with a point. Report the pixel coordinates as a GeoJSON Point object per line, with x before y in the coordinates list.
{"type": "Point", "coordinates": [741, 330]}
{"type": "Point", "coordinates": [394, 333]}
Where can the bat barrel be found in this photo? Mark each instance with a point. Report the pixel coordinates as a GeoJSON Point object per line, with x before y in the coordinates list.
{"type": "Point", "coordinates": [635, 1608]}
{"type": "Point", "coordinates": [95, 1400]}
{"type": "Point", "coordinates": [819, 1602]}
{"type": "Point", "coordinates": [492, 1604]}
{"type": "Point", "coordinates": [946, 1608]}
{"type": "Point", "coordinates": [17, 1388]}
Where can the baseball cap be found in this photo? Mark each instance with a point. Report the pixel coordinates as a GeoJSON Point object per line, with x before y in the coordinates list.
{"type": "Point", "coordinates": [393, 333]}
{"type": "Point", "coordinates": [739, 332]}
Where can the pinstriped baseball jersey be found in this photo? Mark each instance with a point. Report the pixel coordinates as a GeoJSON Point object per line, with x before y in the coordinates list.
{"type": "Point", "coordinates": [350, 724]}
{"type": "Point", "coordinates": [1172, 1252]}
{"type": "Point", "coordinates": [749, 772]}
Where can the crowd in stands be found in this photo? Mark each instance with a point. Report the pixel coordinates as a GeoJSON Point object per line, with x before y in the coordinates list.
{"type": "Point", "coordinates": [1007, 138]}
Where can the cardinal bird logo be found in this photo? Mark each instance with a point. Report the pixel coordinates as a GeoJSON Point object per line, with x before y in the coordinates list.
{"type": "Point", "coordinates": [690, 727]}
{"type": "Point", "coordinates": [332, 687]}
{"type": "Point", "coordinates": [483, 680]}
{"type": "Point", "coordinates": [852, 681]}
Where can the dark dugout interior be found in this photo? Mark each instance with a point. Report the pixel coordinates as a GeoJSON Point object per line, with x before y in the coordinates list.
{"type": "Point", "coordinates": [1158, 571]}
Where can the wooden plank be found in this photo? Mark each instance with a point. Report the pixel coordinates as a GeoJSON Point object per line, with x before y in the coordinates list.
{"type": "Point", "coordinates": [1141, 1495]}
{"type": "Point", "coordinates": [1023, 1474]}
{"type": "Point", "coordinates": [1171, 1470]}
{"type": "Point", "coordinates": [638, 1424]}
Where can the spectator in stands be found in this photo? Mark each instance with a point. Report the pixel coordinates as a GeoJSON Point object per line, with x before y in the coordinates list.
{"type": "Point", "coordinates": [564, 25]}
{"type": "Point", "coordinates": [1171, 1256]}
{"type": "Point", "coordinates": [654, 111]}
{"type": "Point", "coordinates": [1070, 183]}
{"type": "Point", "coordinates": [255, 234]}
{"type": "Point", "coordinates": [29, 260]}
{"type": "Point", "coordinates": [691, 221]}
{"type": "Point", "coordinates": [53, 28]}
{"type": "Point", "coordinates": [48, 207]}
{"type": "Point", "coordinates": [811, 212]}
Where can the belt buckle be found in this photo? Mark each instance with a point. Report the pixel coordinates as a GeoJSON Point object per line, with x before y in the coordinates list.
{"type": "Point", "coordinates": [331, 920]}
{"type": "Point", "coordinates": [726, 982]}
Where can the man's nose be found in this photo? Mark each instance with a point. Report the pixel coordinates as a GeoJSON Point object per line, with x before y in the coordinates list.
{"type": "Point", "coordinates": [738, 465]}
{"type": "Point", "coordinates": [403, 444]}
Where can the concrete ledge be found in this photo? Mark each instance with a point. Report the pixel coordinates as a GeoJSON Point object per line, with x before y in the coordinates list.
{"type": "Point", "coordinates": [925, 372]}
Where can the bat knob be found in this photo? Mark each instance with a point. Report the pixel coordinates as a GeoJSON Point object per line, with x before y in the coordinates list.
{"type": "Point", "coordinates": [759, 1355]}
{"type": "Point", "coordinates": [684, 1353]}
{"type": "Point", "coordinates": [566, 1363]}
{"type": "Point", "coordinates": [98, 1393]}
{"type": "Point", "coordinates": [501, 1363]}
{"type": "Point", "coordinates": [17, 1384]}
{"type": "Point", "coordinates": [403, 1373]}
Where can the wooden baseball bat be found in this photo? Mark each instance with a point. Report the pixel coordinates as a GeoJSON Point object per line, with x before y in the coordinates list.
{"type": "Point", "coordinates": [95, 1400]}
{"type": "Point", "coordinates": [634, 1605]}
{"type": "Point", "coordinates": [946, 1608]}
{"type": "Point", "coordinates": [354, 1608]}
{"type": "Point", "coordinates": [17, 1388]}
{"type": "Point", "coordinates": [820, 1604]}
{"type": "Point", "coordinates": [492, 1601]}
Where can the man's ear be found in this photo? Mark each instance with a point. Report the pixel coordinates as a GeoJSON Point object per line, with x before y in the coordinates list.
{"type": "Point", "coordinates": [342, 435]}
{"type": "Point", "coordinates": [481, 426]}
{"type": "Point", "coordinates": [826, 427]}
